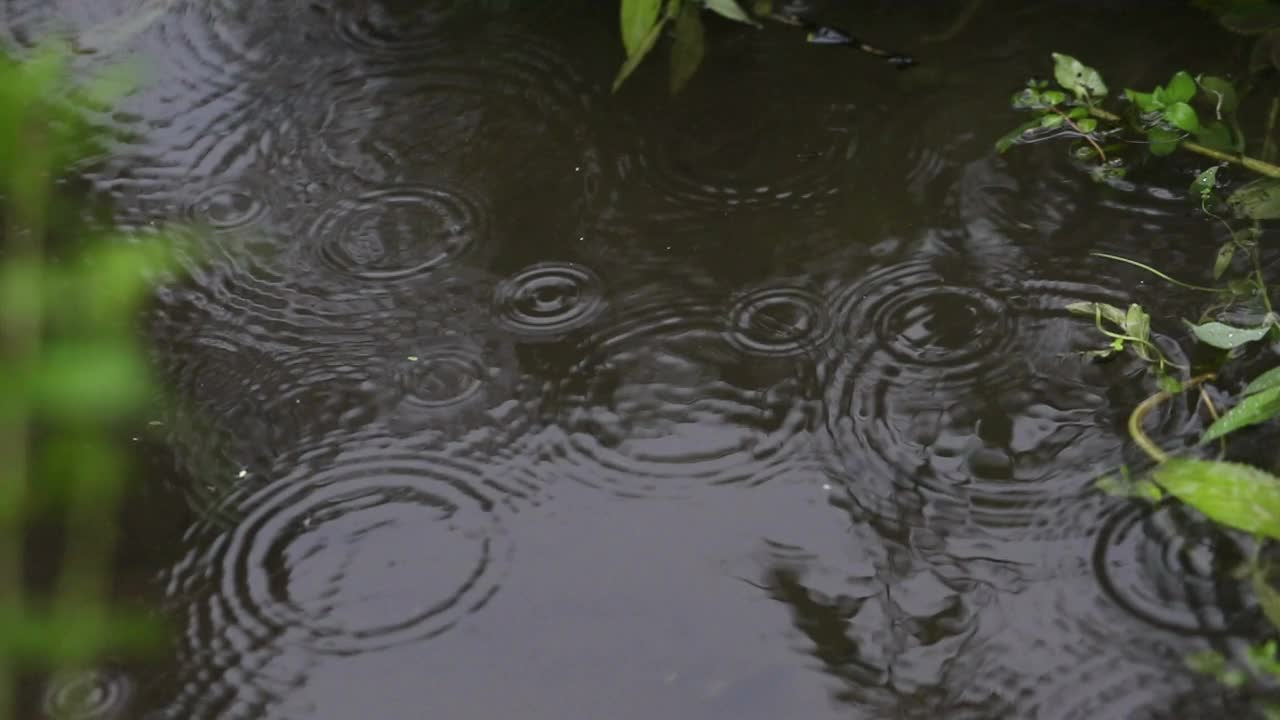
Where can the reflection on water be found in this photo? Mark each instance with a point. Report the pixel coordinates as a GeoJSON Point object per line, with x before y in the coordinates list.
{"type": "Point", "coordinates": [499, 394]}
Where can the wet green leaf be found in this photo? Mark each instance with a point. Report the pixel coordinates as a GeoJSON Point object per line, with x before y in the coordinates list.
{"type": "Point", "coordinates": [1146, 102]}
{"type": "Point", "coordinates": [1226, 337]}
{"type": "Point", "coordinates": [1265, 381]}
{"type": "Point", "coordinates": [1222, 262]}
{"type": "Point", "coordinates": [1181, 87]}
{"type": "Point", "coordinates": [1078, 78]}
{"type": "Point", "coordinates": [1162, 141]}
{"type": "Point", "coordinates": [1087, 125]}
{"type": "Point", "coordinates": [1053, 97]}
{"type": "Point", "coordinates": [1218, 136]}
{"type": "Point", "coordinates": [1269, 600]}
{"type": "Point", "coordinates": [731, 10]}
{"type": "Point", "coordinates": [1256, 408]}
{"type": "Point", "coordinates": [1259, 200]}
{"type": "Point", "coordinates": [1182, 116]}
{"type": "Point", "coordinates": [1051, 121]}
{"type": "Point", "coordinates": [633, 60]}
{"type": "Point", "coordinates": [1205, 182]}
{"type": "Point", "coordinates": [1078, 113]}
{"type": "Point", "coordinates": [1236, 495]}
{"type": "Point", "coordinates": [1011, 138]}
{"type": "Point", "coordinates": [638, 17]}
{"type": "Point", "coordinates": [1137, 323]}
{"type": "Point", "coordinates": [1221, 92]}
{"type": "Point", "coordinates": [1110, 313]}
{"type": "Point", "coordinates": [689, 47]}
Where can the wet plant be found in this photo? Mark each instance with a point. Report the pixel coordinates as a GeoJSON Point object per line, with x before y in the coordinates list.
{"type": "Point", "coordinates": [1194, 114]}
{"type": "Point", "coordinates": [72, 376]}
{"type": "Point", "coordinates": [644, 22]}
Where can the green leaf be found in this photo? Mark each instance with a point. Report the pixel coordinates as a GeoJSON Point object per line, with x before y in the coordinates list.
{"type": "Point", "coordinates": [1181, 88]}
{"type": "Point", "coordinates": [1205, 182]}
{"type": "Point", "coordinates": [1218, 136]}
{"type": "Point", "coordinates": [1080, 79]}
{"type": "Point", "coordinates": [1256, 408]}
{"type": "Point", "coordinates": [1259, 200]}
{"type": "Point", "coordinates": [1078, 113]}
{"type": "Point", "coordinates": [1011, 138]}
{"type": "Point", "coordinates": [1053, 97]}
{"type": "Point", "coordinates": [1146, 102]}
{"type": "Point", "coordinates": [1051, 121]}
{"type": "Point", "coordinates": [633, 60]}
{"type": "Point", "coordinates": [1265, 381]}
{"type": "Point", "coordinates": [1269, 600]}
{"type": "Point", "coordinates": [1137, 323]}
{"type": "Point", "coordinates": [1110, 313]}
{"type": "Point", "coordinates": [1125, 486]}
{"type": "Point", "coordinates": [1226, 337]}
{"type": "Point", "coordinates": [689, 47]}
{"type": "Point", "coordinates": [82, 379]}
{"type": "Point", "coordinates": [1222, 262]}
{"type": "Point", "coordinates": [731, 10]}
{"type": "Point", "coordinates": [1162, 141]}
{"type": "Point", "coordinates": [639, 17]}
{"type": "Point", "coordinates": [1182, 116]}
{"type": "Point", "coordinates": [1236, 495]}
{"type": "Point", "coordinates": [1087, 125]}
{"type": "Point", "coordinates": [1221, 92]}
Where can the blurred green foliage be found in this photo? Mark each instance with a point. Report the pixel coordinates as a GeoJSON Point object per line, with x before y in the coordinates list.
{"type": "Point", "coordinates": [72, 375]}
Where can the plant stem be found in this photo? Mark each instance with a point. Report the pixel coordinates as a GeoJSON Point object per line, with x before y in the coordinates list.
{"type": "Point", "coordinates": [1254, 164]}
{"type": "Point", "coordinates": [1145, 407]}
{"type": "Point", "coordinates": [1268, 136]}
{"type": "Point", "coordinates": [19, 351]}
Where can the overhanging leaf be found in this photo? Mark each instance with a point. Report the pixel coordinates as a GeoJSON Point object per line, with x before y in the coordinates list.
{"type": "Point", "coordinates": [689, 47]}
{"type": "Point", "coordinates": [1226, 337]}
{"type": "Point", "coordinates": [731, 10]}
{"type": "Point", "coordinates": [1259, 200]}
{"type": "Point", "coordinates": [638, 19]}
{"type": "Point", "coordinates": [1221, 92]}
{"type": "Point", "coordinates": [633, 60]}
{"type": "Point", "coordinates": [1252, 410]}
{"type": "Point", "coordinates": [1182, 116]}
{"type": "Point", "coordinates": [1265, 381]}
{"type": "Point", "coordinates": [1146, 102]}
{"type": "Point", "coordinates": [1205, 182]}
{"type": "Point", "coordinates": [1181, 88]}
{"type": "Point", "coordinates": [1077, 77]}
{"type": "Point", "coordinates": [1233, 494]}
{"type": "Point", "coordinates": [1162, 141]}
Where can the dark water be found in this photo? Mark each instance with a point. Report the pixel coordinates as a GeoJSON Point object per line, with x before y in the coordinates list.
{"type": "Point", "coordinates": [506, 397]}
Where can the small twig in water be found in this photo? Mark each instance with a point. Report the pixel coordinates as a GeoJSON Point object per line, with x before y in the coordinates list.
{"type": "Point", "coordinates": [1145, 407]}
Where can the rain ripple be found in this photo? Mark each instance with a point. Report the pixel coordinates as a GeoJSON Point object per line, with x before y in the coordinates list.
{"type": "Point", "coordinates": [660, 405]}
{"type": "Point", "coordinates": [374, 548]}
{"type": "Point", "coordinates": [547, 300]}
{"type": "Point", "coordinates": [397, 232]}
{"type": "Point", "coordinates": [778, 320]}
{"type": "Point", "coordinates": [87, 695]}
{"type": "Point", "coordinates": [964, 407]}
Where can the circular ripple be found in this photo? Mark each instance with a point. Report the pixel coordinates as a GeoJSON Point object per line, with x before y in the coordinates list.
{"type": "Point", "coordinates": [547, 300]}
{"type": "Point", "coordinates": [87, 695]}
{"type": "Point", "coordinates": [226, 207]}
{"type": "Point", "coordinates": [973, 413]}
{"type": "Point", "coordinates": [370, 550]}
{"type": "Point", "coordinates": [778, 321]}
{"type": "Point", "coordinates": [1171, 569]}
{"type": "Point", "coordinates": [392, 29]}
{"type": "Point", "coordinates": [661, 405]}
{"type": "Point", "coordinates": [397, 233]}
